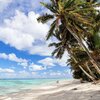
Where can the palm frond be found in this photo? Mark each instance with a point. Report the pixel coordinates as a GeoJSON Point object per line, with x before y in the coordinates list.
{"type": "Point", "coordinates": [68, 3]}
{"type": "Point", "coordinates": [56, 45]}
{"type": "Point", "coordinates": [81, 19]}
{"type": "Point", "coordinates": [58, 53]}
{"type": "Point", "coordinates": [50, 7]}
{"type": "Point", "coordinates": [45, 18]}
{"type": "Point", "coordinates": [51, 31]}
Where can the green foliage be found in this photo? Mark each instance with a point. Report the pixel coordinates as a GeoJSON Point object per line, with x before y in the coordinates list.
{"type": "Point", "coordinates": [51, 31]}
{"type": "Point", "coordinates": [50, 7]}
{"type": "Point", "coordinates": [45, 18]}
{"type": "Point", "coordinates": [97, 40]}
{"type": "Point", "coordinates": [75, 21]}
{"type": "Point", "coordinates": [68, 3]}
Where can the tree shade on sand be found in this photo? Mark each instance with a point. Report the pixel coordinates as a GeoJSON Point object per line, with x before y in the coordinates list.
{"type": "Point", "coordinates": [76, 25]}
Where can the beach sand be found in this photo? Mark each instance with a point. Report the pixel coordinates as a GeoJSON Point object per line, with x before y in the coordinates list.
{"type": "Point", "coordinates": [64, 90]}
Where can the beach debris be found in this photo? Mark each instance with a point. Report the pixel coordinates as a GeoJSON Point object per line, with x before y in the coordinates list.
{"type": "Point", "coordinates": [74, 89]}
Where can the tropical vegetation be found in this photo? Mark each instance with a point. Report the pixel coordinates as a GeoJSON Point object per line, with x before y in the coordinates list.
{"type": "Point", "coordinates": [76, 26]}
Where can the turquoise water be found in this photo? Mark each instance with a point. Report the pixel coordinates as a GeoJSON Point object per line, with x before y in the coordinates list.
{"type": "Point", "coordinates": [15, 85]}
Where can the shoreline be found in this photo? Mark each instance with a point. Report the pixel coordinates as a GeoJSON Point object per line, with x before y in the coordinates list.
{"type": "Point", "coordinates": [64, 90]}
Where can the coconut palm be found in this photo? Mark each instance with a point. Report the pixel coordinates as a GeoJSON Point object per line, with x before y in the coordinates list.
{"type": "Point", "coordinates": [77, 20]}
{"type": "Point", "coordinates": [68, 42]}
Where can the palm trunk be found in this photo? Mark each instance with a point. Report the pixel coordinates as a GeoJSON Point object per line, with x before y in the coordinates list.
{"type": "Point", "coordinates": [91, 58]}
{"type": "Point", "coordinates": [89, 76]}
{"type": "Point", "coordinates": [90, 70]}
{"type": "Point", "coordinates": [93, 79]}
{"type": "Point", "coordinates": [84, 47]}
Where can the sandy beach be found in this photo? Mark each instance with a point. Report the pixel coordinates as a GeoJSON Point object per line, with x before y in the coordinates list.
{"type": "Point", "coordinates": [64, 90]}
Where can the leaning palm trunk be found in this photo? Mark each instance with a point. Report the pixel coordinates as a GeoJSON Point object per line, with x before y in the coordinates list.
{"type": "Point", "coordinates": [92, 78]}
{"type": "Point", "coordinates": [84, 47]}
{"type": "Point", "coordinates": [95, 64]}
{"type": "Point", "coordinates": [88, 75]}
{"type": "Point", "coordinates": [91, 58]}
{"type": "Point", "coordinates": [88, 68]}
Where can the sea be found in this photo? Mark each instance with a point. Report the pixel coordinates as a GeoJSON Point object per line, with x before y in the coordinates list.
{"type": "Point", "coordinates": [16, 85]}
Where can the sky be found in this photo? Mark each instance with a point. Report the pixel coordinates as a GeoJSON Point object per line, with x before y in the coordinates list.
{"type": "Point", "coordinates": [24, 52]}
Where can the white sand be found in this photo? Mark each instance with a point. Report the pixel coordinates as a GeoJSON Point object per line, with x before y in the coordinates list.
{"type": "Point", "coordinates": [65, 90]}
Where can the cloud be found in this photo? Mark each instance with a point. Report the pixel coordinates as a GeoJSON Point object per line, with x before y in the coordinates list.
{"type": "Point", "coordinates": [23, 62]}
{"type": "Point", "coordinates": [6, 70]}
{"type": "Point", "coordinates": [13, 57]}
{"type": "Point", "coordinates": [4, 4]}
{"type": "Point", "coordinates": [34, 73]}
{"type": "Point", "coordinates": [36, 4]}
{"type": "Point", "coordinates": [24, 33]}
{"type": "Point", "coordinates": [23, 74]}
{"type": "Point", "coordinates": [34, 67]}
{"type": "Point", "coordinates": [63, 61]}
{"type": "Point", "coordinates": [41, 49]}
{"type": "Point", "coordinates": [50, 62]}
{"type": "Point", "coordinates": [20, 29]}
{"type": "Point", "coordinates": [19, 74]}
{"type": "Point", "coordinates": [56, 74]}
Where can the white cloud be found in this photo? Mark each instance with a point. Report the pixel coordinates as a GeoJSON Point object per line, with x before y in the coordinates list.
{"type": "Point", "coordinates": [4, 4]}
{"type": "Point", "coordinates": [50, 62]}
{"type": "Point", "coordinates": [41, 49]}
{"type": "Point", "coordinates": [3, 55]}
{"type": "Point", "coordinates": [13, 57]}
{"type": "Point", "coordinates": [36, 4]}
{"type": "Point", "coordinates": [25, 33]}
{"type": "Point", "coordinates": [8, 75]}
{"type": "Point", "coordinates": [26, 74]}
{"type": "Point", "coordinates": [47, 62]}
{"type": "Point", "coordinates": [34, 67]}
{"type": "Point", "coordinates": [24, 62]}
{"type": "Point", "coordinates": [15, 38]}
{"type": "Point", "coordinates": [23, 74]}
{"type": "Point", "coordinates": [56, 74]}
{"type": "Point", "coordinates": [34, 73]}
{"type": "Point", "coordinates": [20, 74]}
{"type": "Point", "coordinates": [42, 64]}
{"type": "Point", "coordinates": [63, 60]}
{"type": "Point", "coordinates": [6, 70]}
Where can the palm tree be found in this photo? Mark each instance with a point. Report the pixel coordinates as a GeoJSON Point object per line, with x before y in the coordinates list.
{"type": "Point", "coordinates": [75, 63]}
{"type": "Point", "coordinates": [77, 22]}
{"type": "Point", "coordinates": [64, 43]}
